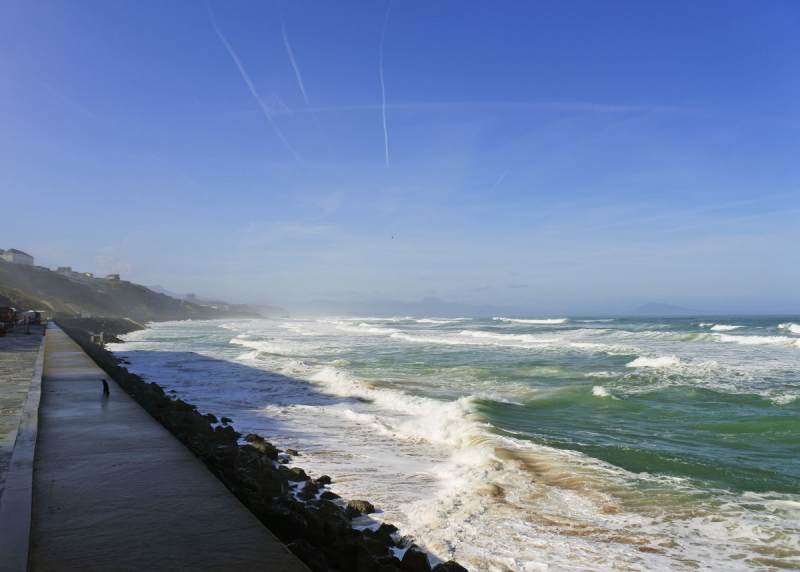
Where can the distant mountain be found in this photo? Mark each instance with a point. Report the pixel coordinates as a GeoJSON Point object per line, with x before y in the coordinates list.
{"type": "Point", "coordinates": [653, 309]}
{"type": "Point", "coordinates": [264, 310]}
{"type": "Point", "coordinates": [430, 307]}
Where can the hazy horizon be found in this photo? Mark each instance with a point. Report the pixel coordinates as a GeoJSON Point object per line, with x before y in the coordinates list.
{"type": "Point", "coordinates": [566, 158]}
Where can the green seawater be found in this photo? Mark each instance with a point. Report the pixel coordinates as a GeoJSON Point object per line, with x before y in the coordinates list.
{"type": "Point", "coordinates": [579, 443]}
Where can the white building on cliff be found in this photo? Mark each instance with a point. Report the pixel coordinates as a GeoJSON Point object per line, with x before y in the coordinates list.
{"type": "Point", "coordinates": [16, 256]}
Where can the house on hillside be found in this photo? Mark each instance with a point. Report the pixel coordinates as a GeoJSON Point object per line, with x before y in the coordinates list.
{"type": "Point", "coordinates": [109, 278]}
{"type": "Point", "coordinates": [16, 257]}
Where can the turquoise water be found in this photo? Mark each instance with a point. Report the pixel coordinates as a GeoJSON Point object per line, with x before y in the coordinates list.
{"type": "Point", "coordinates": [533, 444]}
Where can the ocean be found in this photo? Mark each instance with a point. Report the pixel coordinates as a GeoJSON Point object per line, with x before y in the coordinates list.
{"type": "Point", "coordinates": [524, 444]}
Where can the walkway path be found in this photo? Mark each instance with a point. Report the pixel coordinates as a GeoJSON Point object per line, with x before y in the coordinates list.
{"type": "Point", "coordinates": [18, 353]}
{"type": "Point", "coordinates": [114, 490]}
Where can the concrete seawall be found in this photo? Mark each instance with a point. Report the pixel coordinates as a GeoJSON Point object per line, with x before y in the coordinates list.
{"type": "Point", "coordinates": [114, 490]}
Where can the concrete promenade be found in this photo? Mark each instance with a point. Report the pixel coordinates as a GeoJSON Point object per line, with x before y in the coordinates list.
{"type": "Point", "coordinates": [114, 490]}
{"type": "Point", "coordinates": [18, 354]}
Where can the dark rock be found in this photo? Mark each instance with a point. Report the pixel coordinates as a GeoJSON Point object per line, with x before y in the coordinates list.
{"type": "Point", "coordinates": [414, 560]}
{"type": "Point", "coordinates": [387, 527]}
{"type": "Point", "coordinates": [324, 480]}
{"type": "Point", "coordinates": [297, 474]}
{"type": "Point", "coordinates": [381, 535]}
{"type": "Point", "coordinates": [327, 512]}
{"type": "Point", "coordinates": [253, 438]}
{"type": "Point", "coordinates": [283, 461]}
{"type": "Point", "coordinates": [280, 520]}
{"type": "Point", "coordinates": [374, 547]}
{"type": "Point", "coordinates": [267, 449]}
{"type": "Point", "coordinates": [328, 495]}
{"type": "Point", "coordinates": [449, 566]}
{"type": "Point", "coordinates": [211, 418]}
{"type": "Point", "coordinates": [310, 491]}
{"type": "Point", "coordinates": [390, 564]}
{"type": "Point", "coordinates": [226, 420]}
{"type": "Point", "coordinates": [310, 555]}
{"type": "Point", "coordinates": [357, 507]}
{"type": "Point", "coordinates": [292, 452]}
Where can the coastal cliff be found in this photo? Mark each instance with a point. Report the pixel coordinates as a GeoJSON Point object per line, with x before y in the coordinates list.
{"type": "Point", "coordinates": [27, 287]}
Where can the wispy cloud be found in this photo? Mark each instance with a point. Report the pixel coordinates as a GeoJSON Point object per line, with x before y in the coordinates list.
{"type": "Point", "coordinates": [516, 285]}
{"type": "Point", "coordinates": [383, 86]}
{"type": "Point", "coordinates": [514, 105]}
{"type": "Point", "coordinates": [691, 212]}
{"type": "Point", "coordinates": [110, 265]}
{"type": "Point", "coordinates": [65, 99]}
{"type": "Point", "coordinates": [248, 81]}
{"type": "Point", "coordinates": [498, 181]}
{"type": "Point", "coordinates": [300, 84]}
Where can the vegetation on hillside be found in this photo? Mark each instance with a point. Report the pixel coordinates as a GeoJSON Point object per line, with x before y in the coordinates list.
{"type": "Point", "coordinates": [37, 288]}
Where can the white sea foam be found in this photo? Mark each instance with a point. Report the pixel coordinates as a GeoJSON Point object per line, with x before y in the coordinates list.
{"type": "Point", "coordinates": [600, 391]}
{"type": "Point", "coordinates": [705, 325]}
{"type": "Point", "coordinates": [494, 503]}
{"type": "Point", "coordinates": [665, 361]}
{"type": "Point", "coordinates": [724, 328]}
{"type": "Point", "coordinates": [785, 399]}
{"type": "Point", "coordinates": [538, 321]}
{"type": "Point", "coordinates": [793, 328]}
{"type": "Point", "coordinates": [524, 338]}
{"type": "Point", "coordinates": [758, 340]}
{"type": "Point", "coordinates": [440, 321]}
{"type": "Point", "coordinates": [365, 328]}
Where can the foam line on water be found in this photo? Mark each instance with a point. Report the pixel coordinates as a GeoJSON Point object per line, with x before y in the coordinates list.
{"type": "Point", "coordinates": [758, 340]}
{"type": "Point", "coordinates": [534, 321]}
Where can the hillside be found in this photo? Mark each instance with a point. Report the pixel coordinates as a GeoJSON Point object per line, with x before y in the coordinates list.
{"type": "Point", "coordinates": [37, 288]}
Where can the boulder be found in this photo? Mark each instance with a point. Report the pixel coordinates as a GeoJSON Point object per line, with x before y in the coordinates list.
{"type": "Point", "coordinates": [292, 452]}
{"type": "Point", "coordinates": [310, 555]}
{"type": "Point", "coordinates": [357, 507]}
{"type": "Point", "coordinates": [381, 535]}
{"type": "Point", "coordinates": [296, 474]}
{"type": "Point", "coordinates": [267, 449]}
{"type": "Point", "coordinates": [415, 560]}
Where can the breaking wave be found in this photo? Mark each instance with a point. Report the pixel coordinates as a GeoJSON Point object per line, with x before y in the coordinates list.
{"type": "Point", "coordinates": [655, 362]}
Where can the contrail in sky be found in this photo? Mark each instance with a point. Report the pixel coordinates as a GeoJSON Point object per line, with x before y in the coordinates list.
{"type": "Point", "coordinates": [63, 97]}
{"type": "Point", "coordinates": [300, 81]}
{"type": "Point", "coordinates": [294, 63]}
{"type": "Point", "coordinates": [498, 181]}
{"type": "Point", "coordinates": [247, 80]}
{"type": "Point", "coordinates": [383, 86]}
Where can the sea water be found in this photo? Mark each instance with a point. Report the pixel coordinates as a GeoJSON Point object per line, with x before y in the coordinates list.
{"type": "Point", "coordinates": [524, 444]}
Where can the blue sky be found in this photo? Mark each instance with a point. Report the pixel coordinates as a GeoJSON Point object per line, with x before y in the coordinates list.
{"type": "Point", "coordinates": [565, 156]}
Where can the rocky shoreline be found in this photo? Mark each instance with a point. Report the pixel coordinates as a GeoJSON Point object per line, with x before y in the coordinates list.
{"type": "Point", "coordinates": [311, 520]}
